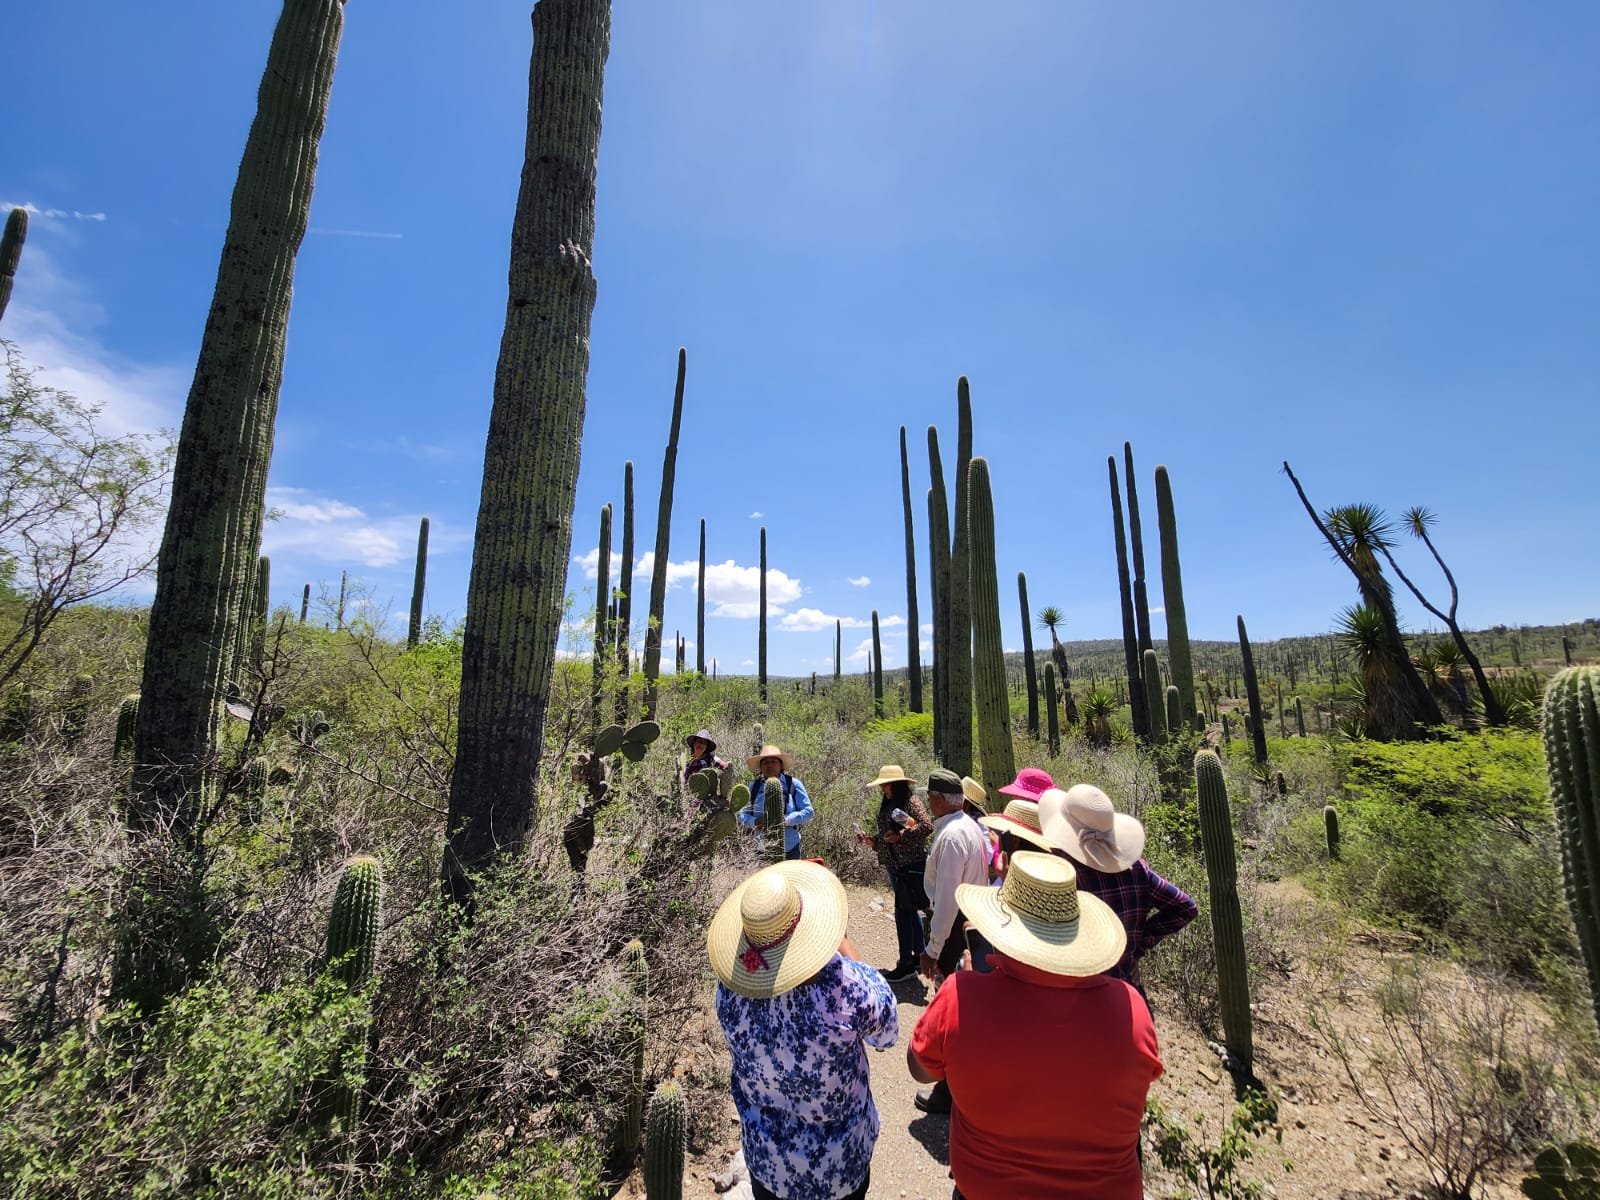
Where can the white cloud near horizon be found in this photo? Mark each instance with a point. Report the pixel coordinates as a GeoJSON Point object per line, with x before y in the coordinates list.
{"type": "Point", "coordinates": [53, 214]}
{"type": "Point", "coordinates": [732, 590]}
{"type": "Point", "coordinates": [859, 581]}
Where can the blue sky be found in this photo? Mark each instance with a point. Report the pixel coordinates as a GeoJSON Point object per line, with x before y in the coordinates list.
{"type": "Point", "coordinates": [1360, 237]}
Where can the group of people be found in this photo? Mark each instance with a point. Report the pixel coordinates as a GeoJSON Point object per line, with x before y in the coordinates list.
{"type": "Point", "coordinates": [1039, 1039]}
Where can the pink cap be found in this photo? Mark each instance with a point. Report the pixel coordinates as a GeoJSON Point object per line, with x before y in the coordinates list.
{"type": "Point", "coordinates": [1030, 784]}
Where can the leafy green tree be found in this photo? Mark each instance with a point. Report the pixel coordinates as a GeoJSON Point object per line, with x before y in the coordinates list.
{"type": "Point", "coordinates": [73, 504]}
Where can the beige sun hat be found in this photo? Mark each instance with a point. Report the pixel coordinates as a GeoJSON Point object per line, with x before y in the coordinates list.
{"type": "Point", "coordinates": [974, 792]}
{"type": "Point", "coordinates": [1039, 917]}
{"type": "Point", "coordinates": [891, 773]}
{"type": "Point", "coordinates": [770, 751]}
{"type": "Point", "coordinates": [1020, 819]}
{"type": "Point", "coordinates": [778, 929]}
{"type": "Point", "coordinates": [1083, 822]}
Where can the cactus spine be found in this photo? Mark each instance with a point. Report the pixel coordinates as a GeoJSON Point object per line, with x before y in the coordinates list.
{"type": "Point", "coordinates": [419, 583]}
{"type": "Point", "coordinates": [877, 668]}
{"type": "Point", "coordinates": [772, 814]}
{"type": "Point", "coordinates": [988, 652]}
{"type": "Point", "coordinates": [700, 606]}
{"type": "Point", "coordinates": [637, 967]}
{"type": "Point", "coordinates": [1154, 699]}
{"type": "Point", "coordinates": [658, 571]}
{"type": "Point", "coordinates": [1572, 754]}
{"type": "Point", "coordinates": [11, 252]}
{"type": "Point", "coordinates": [664, 1144]}
{"type": "Point", "coordinates": [127, 721]}
{"type": "Point", "coordinates": [913, 633]}
{"type": "Point", "coordinates": [761, 636]}
{"type": "Point", "coordinates": [213, 525]}
{"type": "Point", "coordinates": [524, 530]}
{"type": "Point", "coordinates": [1258, 729]}
{"type": "Point", "coordinates": [1130, 635]}
{"type": "Point", "coordinates": [1179, 661]}
{"type": "Point", "coordinates": [1029, 667]}
{"type": "Point", "coordinates": [625, 596]}
{"type": "Point", "coordinates": [1330, 823]}
{"type": "Point", "coordinates": [1227, 923]}
{"type": "Point", "coordinates": [1052, 718]}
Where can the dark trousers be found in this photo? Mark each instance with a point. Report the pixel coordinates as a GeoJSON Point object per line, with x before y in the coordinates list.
{"type": "Point", "coordinates": [794, 854]}
{"type": "Point", "coordinates": [954, 947]}
{"type": "Point", "coordinates": [762, 1193]}
{"type": "Point", "coordinates": [909, 901]}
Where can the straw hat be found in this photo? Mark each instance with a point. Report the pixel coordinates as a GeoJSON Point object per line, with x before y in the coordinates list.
{"type": "Point", "coordinates": [1082, 822]}
{"type": "Point", "coordinates": [974, 792]}
{"type": "Point", "coordinates": [778, 929]}
{"type": "Point", "coordinates": [892, 773]}
{"type": "Point", "coordinates": [1020, 819]}
{"type": "Point", "coordinates": [1039, 917]}
{"type": "Point", "coordinates": [1030, 784]}
{"type": "Point", "coordinates": [770, 751]}
{"type": "Point", "coordinates": [703, 735]}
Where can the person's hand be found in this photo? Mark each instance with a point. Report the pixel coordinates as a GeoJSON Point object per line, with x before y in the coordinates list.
{"type": "Point", "coordinates": [892, 837]}
{"type": "Point", "coordinates": [928, 966]}
{"type": "Point", "coordinates": [848, 948]}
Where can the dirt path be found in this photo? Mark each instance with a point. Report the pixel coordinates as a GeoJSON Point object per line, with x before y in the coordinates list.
{"type": "Point", "coordinates": [1336, 1151]}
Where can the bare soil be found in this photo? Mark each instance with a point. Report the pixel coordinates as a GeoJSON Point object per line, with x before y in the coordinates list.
{"type": "Point", "coordinates": [1331, 1148]}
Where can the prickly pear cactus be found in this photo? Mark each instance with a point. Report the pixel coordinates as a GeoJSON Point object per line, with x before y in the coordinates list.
{"type": "Point", "coordinates": [608, 741]}
{"type": "Point", "coordinates": [1227, 923]}
{"type": "Point", "coordinates": [636, 740]}
{"type": "Point", "coordinates": [665, 1141]}
{"type": "Point", "coordinates": [738, 797]}
{"type": "Point", "coordinates": [1570, 1172]}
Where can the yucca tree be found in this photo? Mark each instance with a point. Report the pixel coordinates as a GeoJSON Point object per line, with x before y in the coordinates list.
{"type": "Point", "coordinates": [1052, 618]}
{"type": "Point", "coordinates": [1364, 632]}
{"type": "Point", "coordinates": [1096, 712]}
{"type": "Point", "coordinates": [1359, 534]}
{"type": "Point", "coordinates": [1440, 665]}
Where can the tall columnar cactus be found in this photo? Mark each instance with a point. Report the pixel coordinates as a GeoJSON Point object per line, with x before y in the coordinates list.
{"type": "Point", "coordinates": [1052, 718]}
{"type": "Point", "coordinates": [524, 530]}
{"type": "Point", "coordinates": [772, 813]}
{"type": "Point", "coordinates": [1029, 667]}
{"type": "Point", "coordinates": [305, 603]}
{"type": "Point", "coordinates": [1330, 823]}
{"type": "Point", "coordinates": [1227, 730]}
{"type": "Point", "coordinates": [877, 668]}
{"type": "Point", "coordinates": [1227, 922]}
{"type": "Point", "coordinates": [620, 627]}
{"type": "Point", "coordinates": [658, 570]}
{"type": "Point", "coordinates": [602, 638]}
{"type": "Point", "coordinates": [419, 583]}
{"type": "Point", "coordinates": [761, 635]}
{"type": "Point", "coordinates": [1141, 590]}
{"type": "Point", "coordinates": [219, 476]}
{"type": "Point", "coordinates": [1179, 661]}
{"type": "Point", "coordinates": [988, 651]}
{"type": "Point", "coordinates": [1175, 719]}
{"type": "Point", "coordinates": [913, 633]}
{"type": "Point", "coordinates": [1130, 633]}
{"type": "Point", "coordinates": [958, 615]}
{"type": "Point", "coordinates": [127, 721]}
{"type": "Point", "coordinates": [1572, 754]}
{"type": "Point", "coordinates": [665, 1143]}
{"type": "Point", "coordinates": [939, 586]}
{"type": "Point", "coordinates": [838, 648]}
{"type": "Point", "coordinates": [1155, 696]}
{"type": "Point", "coordinates": [11, 253]}
{"type": "Point", "coordinates": [1258, 729]}
{"type": "Point", "coordinates": [700, 606]}
{"type": "Point", "coordinates": [635, 1025]}
{"type": "Point", "coordinates": [344, 589]}
{"type": "Point", "coordinates": [260, 610]}
{"type": "Point", "coordinates": [353, 926]}
{"type": "Point", "coordinates": [1299, 717]}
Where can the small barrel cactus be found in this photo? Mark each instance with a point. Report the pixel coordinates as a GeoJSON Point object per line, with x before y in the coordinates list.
{"type": "Point", "coordinates": [772, 802]}
{"type": "Point", "coordinates": [353, 924]}
{"type": "Point", "coordinates": [665, 1141]}
{"type": "Point", "coordinates": [1572, 753]}
{"type": "Point", "coordinates": [1227, 921]}
{"type": "Point", "coordinates": [127, 720]}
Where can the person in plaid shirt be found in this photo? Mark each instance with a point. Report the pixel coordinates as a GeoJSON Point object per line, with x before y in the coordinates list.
{"type": "Point", "coordinates": [1105, 847]}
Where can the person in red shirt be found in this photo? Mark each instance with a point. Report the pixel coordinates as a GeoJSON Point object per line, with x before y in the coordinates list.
{"type": "Point", "coordinates": [1060, 1122]}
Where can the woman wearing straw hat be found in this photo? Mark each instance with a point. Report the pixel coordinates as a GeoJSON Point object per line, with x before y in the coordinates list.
{"type": "Point", "coordinates": [772, 763]}
{"type": "Point", "coordinates": [1060, 1122]}
{"type": "Point", "coordinates": [1105, 846]}
{"type": "Point", "coordinates": [798, 1011]}
{"type": "Point", "coordinates": [904, 828]}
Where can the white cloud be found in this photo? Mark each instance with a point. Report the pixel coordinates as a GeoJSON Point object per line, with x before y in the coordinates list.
{"type": "Point", "coordinates": [890, 622]}
{"type": "Point", "coordinates": [928, 628]}
{"type": "Point", "coordinates": [731, 590]}
{"type": "Point", "coordinates": [756, 516]}
{"type": "Point", "coordinates": [859, 581]}
{"type": "Point", "coordinates": [54, 214]}
{"type": "Point", "coordinates": [328, 530]}
{"type": "Point", "coordinates": [861, 653]}
{"type": "Point", "coordinates": [809, 620]}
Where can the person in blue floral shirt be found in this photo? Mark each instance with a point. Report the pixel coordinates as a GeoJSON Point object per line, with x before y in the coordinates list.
{"type": "Point", "coordinates": [798, 1011]}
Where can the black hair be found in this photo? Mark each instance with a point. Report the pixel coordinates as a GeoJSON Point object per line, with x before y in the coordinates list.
{"type": "Point", "coordinates": [899, 793]}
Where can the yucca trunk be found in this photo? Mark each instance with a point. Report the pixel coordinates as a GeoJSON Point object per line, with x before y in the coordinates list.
{"type": "Point", "coordinates": [524, 530]}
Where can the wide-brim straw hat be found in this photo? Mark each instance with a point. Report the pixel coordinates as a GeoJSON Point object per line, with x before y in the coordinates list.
{"type": "Point", "coordinates": [1083, 822]}
{"type": "Point", "coordinates": [974, 792]}
{"type": "Point", "coordinates": [703, 735]}
{"type": "Point", "coordinates": [1020, 819]}
{"type": "Point", "coordinates": [892, 773]}
{"type": "Point", "coordinates": [1030, 784]}
{"type": "Point", "coordinates": [1039, 917]}
{"type": "Point", "coordinates": [777, 929]}
{"type": "Point", "coordinates": [770, 751]}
